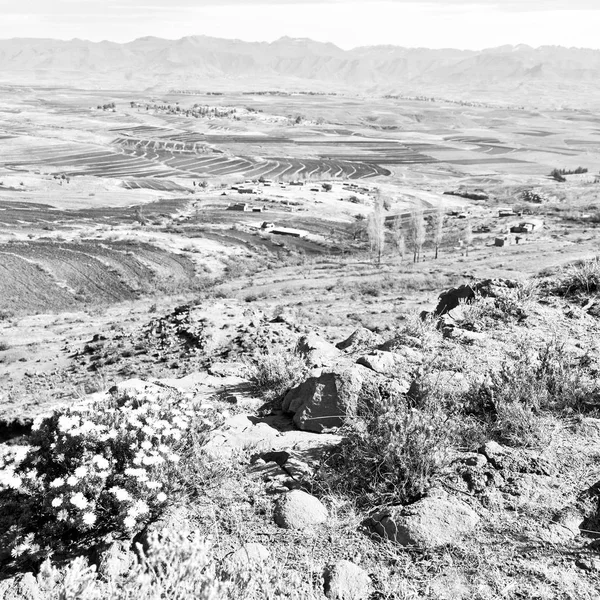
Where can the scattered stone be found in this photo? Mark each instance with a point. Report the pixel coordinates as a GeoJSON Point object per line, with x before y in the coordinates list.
{"type": "Point", "coordinates": [346, 581]}
{"type": "Point", "coordinates": [299, 510]}
{"type": "Point", "coordinates": [473, 459]}
{"type": "Point", "coordinates": [570, 518]}
{"type": "Point", "coordinates": [428, 523]}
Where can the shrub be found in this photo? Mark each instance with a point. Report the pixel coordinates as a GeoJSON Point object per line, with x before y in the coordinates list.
{"type": "Point", "coordinates": [581, 278]}
{"type": "Point", "coordinates": [105, 467]}
{"type": "Point", "coordinates": [274, 373]}
{"type": "Point", "coordinates": [390, 454]}
{"type": "Point", "coordinates": [4, 345]}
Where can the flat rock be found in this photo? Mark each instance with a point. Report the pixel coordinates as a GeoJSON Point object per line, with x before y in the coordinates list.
{"type": "Point", "coordinates": [389, 364]}
{"type": "Point", "coordinates": [250, 555]}
{"type": "Point", "coordinates": [428, 523]}
{"type": "Point", "coordinates": [360, 340]}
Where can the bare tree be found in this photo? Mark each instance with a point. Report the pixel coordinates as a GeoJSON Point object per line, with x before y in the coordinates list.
{"type": "Point", "coordinates": [438, 229]}
{"type": "Point", "coordinates": [416, 232]}
{"type": "Point", "coordinates": [398, 237]}
{"type": "Point", "coordinates": [468, 233]}
{"type": "Point", "coordinates": [376, 229]}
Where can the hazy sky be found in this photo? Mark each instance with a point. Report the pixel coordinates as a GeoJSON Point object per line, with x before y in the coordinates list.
{"type": "Point", "coordinates": [433, 23]}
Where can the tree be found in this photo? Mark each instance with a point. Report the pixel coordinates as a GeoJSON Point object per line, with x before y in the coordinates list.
{"type": "Point", "coordinates": [376, 230]}
{"type": "Point", "coordinates": [416, 232]}
{"type": "Point", "coordinates": [398, 237]}
{"type": "Point", "coordinates": [468, 235]}
{"type": "Point", "coordinates": [438, 229]}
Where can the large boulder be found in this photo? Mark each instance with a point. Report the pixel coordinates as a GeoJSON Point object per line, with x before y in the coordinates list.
{"type": "Point", "coordinates": [299, 510]}
{"type": "Point", "coordinates": [316, 351]}
{"type": "Point", "coordinates": [426, 524]}
{"type": "Point", "coordinates": [323, 402]}
{"type": "Point", "coordinates": [360, 340]}
{"type": "Point", "coordinates": [346, 581]}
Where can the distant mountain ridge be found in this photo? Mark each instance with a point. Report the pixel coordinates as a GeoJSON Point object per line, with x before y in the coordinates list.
{"type": "Point", "coordinates": [201, 61]}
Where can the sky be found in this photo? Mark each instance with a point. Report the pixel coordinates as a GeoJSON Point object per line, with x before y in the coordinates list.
{"type": "Point", "coordinates": [465, 24]}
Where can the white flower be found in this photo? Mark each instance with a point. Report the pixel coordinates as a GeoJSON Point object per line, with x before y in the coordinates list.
{"type": "Point", "coordinates": [57, 501]}
{"type": "Point", "coordinates": [63, 515]}
{"type": "Point", "coordinates": [146, 445]}
{"type": "Point", "coordinates": [120, 493]}
{"type": "Point", "coordinates": [100, 462]}
{"type": "Point", "coordinates": [164, 449]}
{"type": "Point", "coordinates": [153, 485]}
{"type": "Point", "coordinates": [112, 434]}
{"type": "Point", "coordinates": [37, 422]}
{"type": "Point", "coordinates": [129, 522]}
{"type": "Point", "coordinates": [173, 458]}
{"type": "Point", "coordinates": [81, 472]}
{"type": "Point", "coordinates": [161, 496]}
{"type": "Point", "coordinates": [139, 508]}
{"type": "Point", "coordinates": [11, 480]}
{"type": "Point", "coordinates": [89, 518]}
{"type": "Point", "coordinates": [148, 430]}
{"type": "Point", "coordinates": [149, 460]}
{"type": "Point", "coordinates": [58, 482]}
{"type": "Point", "coordinates": [79, 500]}
{"type": "Point", "coordinates": [72, 480]}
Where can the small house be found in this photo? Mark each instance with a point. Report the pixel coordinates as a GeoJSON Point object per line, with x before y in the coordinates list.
{"type": "Point", "coordinates": [506, 212]}
{"type": "Point", "coordinates": [501, 241]}
{"type": "Point", "coordinates": [245, 190]}
{"type": "Point", "coordinates": [239, 206]}
{"type": "Point", "coordinates": [267, 225]}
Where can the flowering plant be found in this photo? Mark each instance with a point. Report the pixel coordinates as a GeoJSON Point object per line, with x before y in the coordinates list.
{"type": "Point", "coordinates": [110, 466]}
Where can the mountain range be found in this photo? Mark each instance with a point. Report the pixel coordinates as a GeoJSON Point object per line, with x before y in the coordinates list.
{"type": "Point", "coordinates": [569, 75]}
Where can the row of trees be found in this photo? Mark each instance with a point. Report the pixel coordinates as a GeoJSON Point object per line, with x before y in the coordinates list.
{"type": "Point", "coordinates": [411, 231]}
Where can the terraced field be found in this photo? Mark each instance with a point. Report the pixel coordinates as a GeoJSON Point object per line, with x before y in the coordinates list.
{"type": "Point", "coordinates": [61, 276]}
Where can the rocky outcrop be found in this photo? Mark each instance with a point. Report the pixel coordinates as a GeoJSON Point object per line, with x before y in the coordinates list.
{"type": "Point", "coordinates": [426, 524]}
{"type": "Point", "coordinates": [323, 402]}
{"type": "Point", "coordinates": [390, 364]}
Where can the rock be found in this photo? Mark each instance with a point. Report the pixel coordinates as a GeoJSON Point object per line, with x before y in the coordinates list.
{"type": "Point", "coordinates": [249, 556]}
{"type": "Point", "coordinates": [488, 288]}
{"type": "Point", "coordinates": [570, 518]}
{"type": "Point", "coordinates": [428, 523]}
{"type": "Point", "coordinates": [316, 351]}
{"type": "Point", "coordinates": [136, 388]}
{"type": "Point", "coordinates": [362, 339]}
{"type": "Point", "coordinates": [323, 402]}
{"type": "Point", "coordinates": [473, 459]}
{"type": "Point", "coordinates": [228, 369]}
{"type": "Point", "coordinates": [346, 581]}
{"type": "Point", "coordinates": [385, 363]}
{"type": "Point", "coordinates": [299, 510]}
{"type": "Point", "coordinates": [494, 452]}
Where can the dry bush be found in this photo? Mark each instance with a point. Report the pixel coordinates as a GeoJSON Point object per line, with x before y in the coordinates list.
{"type": "Point", "coordinates": [580, 278]}
{"type": "Point", "coordinates": [390, 453]}
{"type": "Point", "coordinates": [274, 373]}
